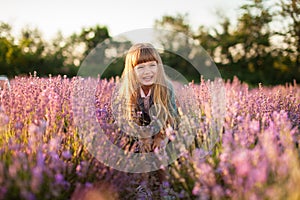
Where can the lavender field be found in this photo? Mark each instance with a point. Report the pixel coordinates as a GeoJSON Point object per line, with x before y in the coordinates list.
{"type": "Point", "coordinates": [256, 156]}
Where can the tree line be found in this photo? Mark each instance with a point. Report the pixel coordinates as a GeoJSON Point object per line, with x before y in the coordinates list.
{"type": "Point", "coordinates": [263, 46]}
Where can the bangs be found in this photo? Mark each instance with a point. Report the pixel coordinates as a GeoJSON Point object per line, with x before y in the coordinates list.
{"type": "Point", "coordinates": [143, 55]}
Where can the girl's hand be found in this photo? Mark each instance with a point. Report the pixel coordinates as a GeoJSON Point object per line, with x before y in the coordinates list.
{"type": "Point", "coordinates": [158, 141]}
{"type": "Point", "coordinates": [146, 144]}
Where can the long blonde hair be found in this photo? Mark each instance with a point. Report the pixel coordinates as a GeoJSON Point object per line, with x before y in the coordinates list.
{"type": "Point", "coordinates": [141, 53]}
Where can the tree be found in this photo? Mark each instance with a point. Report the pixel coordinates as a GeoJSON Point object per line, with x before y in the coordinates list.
{"type": "Point", "coordinates": [93, 36]}
{"type": "Point", "coordinates": [246, 50]}
{"type": "Point", "coordinates": [9, 51]}
{"type": "Point", "coordinates": [78, 46]}
{"type": "Point", "coordinates": [176, 37]}
{"type": "Point", "coordinates": [219, 44]}
{"type": "Point", "coordinates": [289, 10]}
{"type": "Point", "coordinates": [253, 33]}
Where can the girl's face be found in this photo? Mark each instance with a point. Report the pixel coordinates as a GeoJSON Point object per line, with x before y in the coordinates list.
{"type": "Point", "coordinates": [146, 73]}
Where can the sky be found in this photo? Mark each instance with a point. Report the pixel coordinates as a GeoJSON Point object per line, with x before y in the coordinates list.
{"type": "Point", "coordinates": [119, 16]}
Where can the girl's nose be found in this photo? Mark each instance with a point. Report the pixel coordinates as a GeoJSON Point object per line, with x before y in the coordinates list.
{"type": "Point", "coordinates": [147, 70]}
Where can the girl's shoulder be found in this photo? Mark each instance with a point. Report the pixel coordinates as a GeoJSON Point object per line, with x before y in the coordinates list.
{"type": "Point", "coordinates": [170, 86]}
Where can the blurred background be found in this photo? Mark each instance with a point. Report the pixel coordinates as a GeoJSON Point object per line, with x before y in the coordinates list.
{"type": "Point", "coordinates": [257, 41]}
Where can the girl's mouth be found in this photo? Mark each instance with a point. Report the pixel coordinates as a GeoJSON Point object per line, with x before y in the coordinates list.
{"type": "Point", "coordinates": [148, 78]}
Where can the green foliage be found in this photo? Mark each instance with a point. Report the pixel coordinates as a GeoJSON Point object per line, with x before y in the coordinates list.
{"type": "Point", "coordinates": [246, 50]}
{"type": "Point", "coordinates": [31, 53]}
{"type": "Point", "coordinates": [250, 50]}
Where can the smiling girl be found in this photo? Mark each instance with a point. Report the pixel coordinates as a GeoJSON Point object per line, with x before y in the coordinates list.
{"type": "Point", "coordinates": [145, 106]}
{"type": "Point", "coordinates": [147, 94]}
